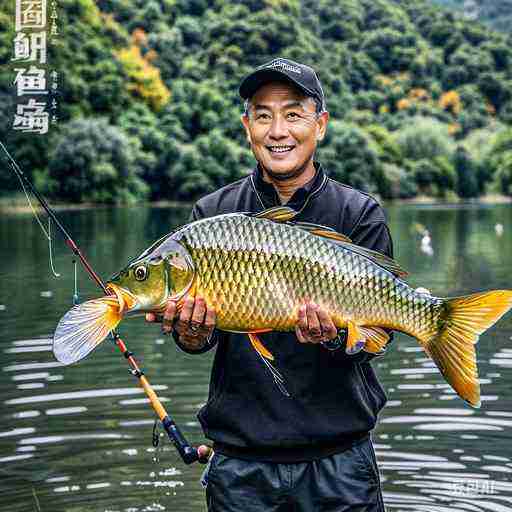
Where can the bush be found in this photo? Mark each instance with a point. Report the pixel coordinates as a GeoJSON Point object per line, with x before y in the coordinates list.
{"type": "Point", "coordinates": [434, 177]}
{"type": "Point", "coordinates": [211, 162]}
{"type": "Point", "coordinates": [480, 146]}
{"type": "Point", "coordinates": [397, 183]}
{"type": "Point", "coordinates": [94, 161]}
{"type": "Point", "coordinates": [425, 138]}
{"type": "Point", "coordinates": [503, 177]}
{"type": "Point", "coordinates": [467, 184]}
{"type": "Point", "coordinates": [350, 156]}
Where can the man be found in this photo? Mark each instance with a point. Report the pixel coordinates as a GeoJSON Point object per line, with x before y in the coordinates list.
{"type": "Point", "coordinates": [312, 451]}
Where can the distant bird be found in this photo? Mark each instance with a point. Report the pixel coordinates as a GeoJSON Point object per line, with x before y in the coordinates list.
{"type": "Point", "coordinates": [499, 229]}
{"type": "Point", "coordinates": [426, 244]}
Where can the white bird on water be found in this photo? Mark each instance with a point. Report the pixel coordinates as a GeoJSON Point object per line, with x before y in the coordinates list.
{"type": "Point", "coordinates": [499, 229]}
{"type": "Point", "coordinates": [426, 244]}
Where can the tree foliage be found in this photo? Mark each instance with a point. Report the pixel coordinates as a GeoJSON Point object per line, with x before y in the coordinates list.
{"type": "Point", "coordinates": [407, 85]}
{"type": "Point", "coordinates": [95, 162]}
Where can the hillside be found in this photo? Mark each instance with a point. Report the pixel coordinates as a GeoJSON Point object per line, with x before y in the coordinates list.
{"type": "Point", "coordinates": [495, 13]}
{"type": "Point", "coordinates": [148, 107]}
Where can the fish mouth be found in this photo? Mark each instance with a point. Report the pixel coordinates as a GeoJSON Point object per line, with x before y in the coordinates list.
{"type": "Point", "coordinates": [127, 301]}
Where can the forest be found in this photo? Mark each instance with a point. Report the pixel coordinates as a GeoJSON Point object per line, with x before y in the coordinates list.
{"type": "Point", "coordinates": [420, 96]}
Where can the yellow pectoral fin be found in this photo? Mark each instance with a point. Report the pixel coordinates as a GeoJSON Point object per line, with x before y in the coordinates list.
{"type": "Point", "coordinates": [376, 339]}
{"type": "Point", "coordinates": [266, 356]}
{"type": "Point", "coordinates": [84, 327]}
{"type": "Point", "coordinates": [259, 347]}
{"type": "Point", "coordinates": [355, 341]}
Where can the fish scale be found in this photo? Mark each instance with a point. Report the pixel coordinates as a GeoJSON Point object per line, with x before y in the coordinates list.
{"type": "Point", "coordinates": [257, 273]}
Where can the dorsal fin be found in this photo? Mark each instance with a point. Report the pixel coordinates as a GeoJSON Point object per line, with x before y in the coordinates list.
{"type": "Point", "coordinates": [319, 230]}
{"type": "Point", "coordinates": [377, 257]}
{"type": "Point", "coordinates": [277, 214]}
{"type": "Point", "coordinates": [287, 214]}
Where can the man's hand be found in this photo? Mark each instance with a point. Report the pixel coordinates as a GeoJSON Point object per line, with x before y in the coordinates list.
{"type": "Point", "coordinates": [194, 325]}
{"type": "Point", "coordinates": [205, 453]}
{"type": "Point", "coordinates": [314, 325]}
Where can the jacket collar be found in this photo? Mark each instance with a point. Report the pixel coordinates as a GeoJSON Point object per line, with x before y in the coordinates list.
{"type": "Point", "coordinates": [269, 196]}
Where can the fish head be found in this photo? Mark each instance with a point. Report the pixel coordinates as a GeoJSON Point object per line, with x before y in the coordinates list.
{"type": "Point", "coordinates": [165, 271]}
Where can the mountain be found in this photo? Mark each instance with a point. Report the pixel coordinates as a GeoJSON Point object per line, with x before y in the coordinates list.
{"type": "Point", "coordinates": [495, 13]}
{"type": "Point", "coordinates": [148, 106]}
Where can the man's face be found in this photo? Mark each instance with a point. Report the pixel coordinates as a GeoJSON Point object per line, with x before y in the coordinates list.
{"type": "Point", "coordinates": [283, 129]}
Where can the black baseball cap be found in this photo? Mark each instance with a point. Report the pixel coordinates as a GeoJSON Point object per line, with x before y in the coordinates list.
{"type": "Point", "coordinates": [300, 75]}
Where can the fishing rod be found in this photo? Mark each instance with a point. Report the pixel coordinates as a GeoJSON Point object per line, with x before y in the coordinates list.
{"type": "Point", "coordinates": [187, 452]}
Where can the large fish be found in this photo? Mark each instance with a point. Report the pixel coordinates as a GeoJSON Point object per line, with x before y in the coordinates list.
{"type": "Point", "coordinates": [256, 270]}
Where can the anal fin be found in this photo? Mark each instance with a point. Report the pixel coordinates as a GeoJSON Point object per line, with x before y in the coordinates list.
{"type": "Point", "coordinates": [355, 340]}
{"type": "Point", "coordinates": [266, 356]}
{"type": "Point", "coordinates": [376, 339]}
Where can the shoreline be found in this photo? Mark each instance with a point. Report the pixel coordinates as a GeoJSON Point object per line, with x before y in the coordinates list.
{"type": "Point", "coordinates": [17, 206]}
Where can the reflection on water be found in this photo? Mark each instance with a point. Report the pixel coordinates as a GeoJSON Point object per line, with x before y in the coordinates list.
{"type": "Point", "coordinates": [79, 438]}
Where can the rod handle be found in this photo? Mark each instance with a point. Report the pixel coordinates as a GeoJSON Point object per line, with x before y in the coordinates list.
{"type": "Point", "coordinates": [188, 454]}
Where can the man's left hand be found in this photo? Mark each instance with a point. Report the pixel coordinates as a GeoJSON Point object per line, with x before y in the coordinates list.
{"type": "Point", "coordinates": [314, 325]}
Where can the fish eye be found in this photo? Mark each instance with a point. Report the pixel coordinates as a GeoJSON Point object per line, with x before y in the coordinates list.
{"type": "Point", "coordinates": [140, 273]}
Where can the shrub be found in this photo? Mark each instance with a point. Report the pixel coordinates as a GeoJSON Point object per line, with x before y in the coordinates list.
{"type": "Point", "coordinates": [425, 138]}
{"type": "Point", "coordinates": [467, 184]}
{"type": "Point", "coordinates": [349, 156]}
{"type": "Point", "coordinates": [397, 183]}
{"type": "Point", "coordinates": [503, 177]}
{"type": "Point", "coordinates": [94, 161]}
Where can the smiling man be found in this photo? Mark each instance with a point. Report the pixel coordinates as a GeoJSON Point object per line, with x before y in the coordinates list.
{"type": "Point", "coordinates": [311, 451]}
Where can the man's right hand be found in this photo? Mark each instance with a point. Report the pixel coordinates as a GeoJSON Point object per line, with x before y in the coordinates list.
{"type": "Point", "coordinates": [194, 325]}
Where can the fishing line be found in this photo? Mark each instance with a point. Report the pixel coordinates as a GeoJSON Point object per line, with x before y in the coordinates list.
{"type": "Point", "coordinates": [50, 248]}
{"type": "Point", "coordinates": [31, 205]}
{"type": "Point", "coordinates": [75, 293]}
{"type": "Point", "coordinates": [188, 453]}
{"type": "Point", "coordinates": [47, 234]}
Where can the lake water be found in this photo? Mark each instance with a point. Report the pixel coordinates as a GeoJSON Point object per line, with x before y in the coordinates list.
{"type": "Point", "coordinates": [79, 438]}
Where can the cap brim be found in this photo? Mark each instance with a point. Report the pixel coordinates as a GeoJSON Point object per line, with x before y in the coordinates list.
{"type": "Point", "coordinates": [251, 83]}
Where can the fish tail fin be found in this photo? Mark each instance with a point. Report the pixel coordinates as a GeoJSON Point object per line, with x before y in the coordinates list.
{"type": "Point", "coordinates": [452, 346]}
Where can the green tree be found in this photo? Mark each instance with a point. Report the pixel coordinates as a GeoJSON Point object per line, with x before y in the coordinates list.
{"type": "Point", "coordinates": [350, 156]}
{"type": "Point", "coordinates": [425, 139]}
{"type": "Point", "coordinates": [94, 161]}
{"type": "Point", "coordinates": [467, 184]}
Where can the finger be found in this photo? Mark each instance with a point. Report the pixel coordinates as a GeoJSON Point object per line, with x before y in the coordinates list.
{"type": "Point", "coordinates": [168, 318]}
{"type": "Point", "coordinates": [327, 326]}
{"type": "Point", "coordinates": [153, 317]}
{"type": "Point", "coordinates": [210, 319]}
{"type": "Point", "coordinates": [193, 342]}
{"type": "Point", "coordinates": [299, 335]}
{"type": "Point", "coordinates": [198, 313]}
{"type": "Point", "coordinates": [188, 308]}
{"type": "Point", "coordinates": [302, 321]}
{"type": "Point", "coordinates": [313, 321]}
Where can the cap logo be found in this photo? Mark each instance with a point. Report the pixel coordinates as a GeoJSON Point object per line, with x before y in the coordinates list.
{"type": "Point", "coordinates": [285, 66]}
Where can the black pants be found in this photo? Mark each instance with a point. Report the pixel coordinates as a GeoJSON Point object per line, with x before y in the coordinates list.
{"type": "Point", "coordinates": [347, 481]}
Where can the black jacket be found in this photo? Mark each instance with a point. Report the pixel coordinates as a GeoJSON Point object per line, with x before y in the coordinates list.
{"type": "Point", "coordinates": [335, 398]}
